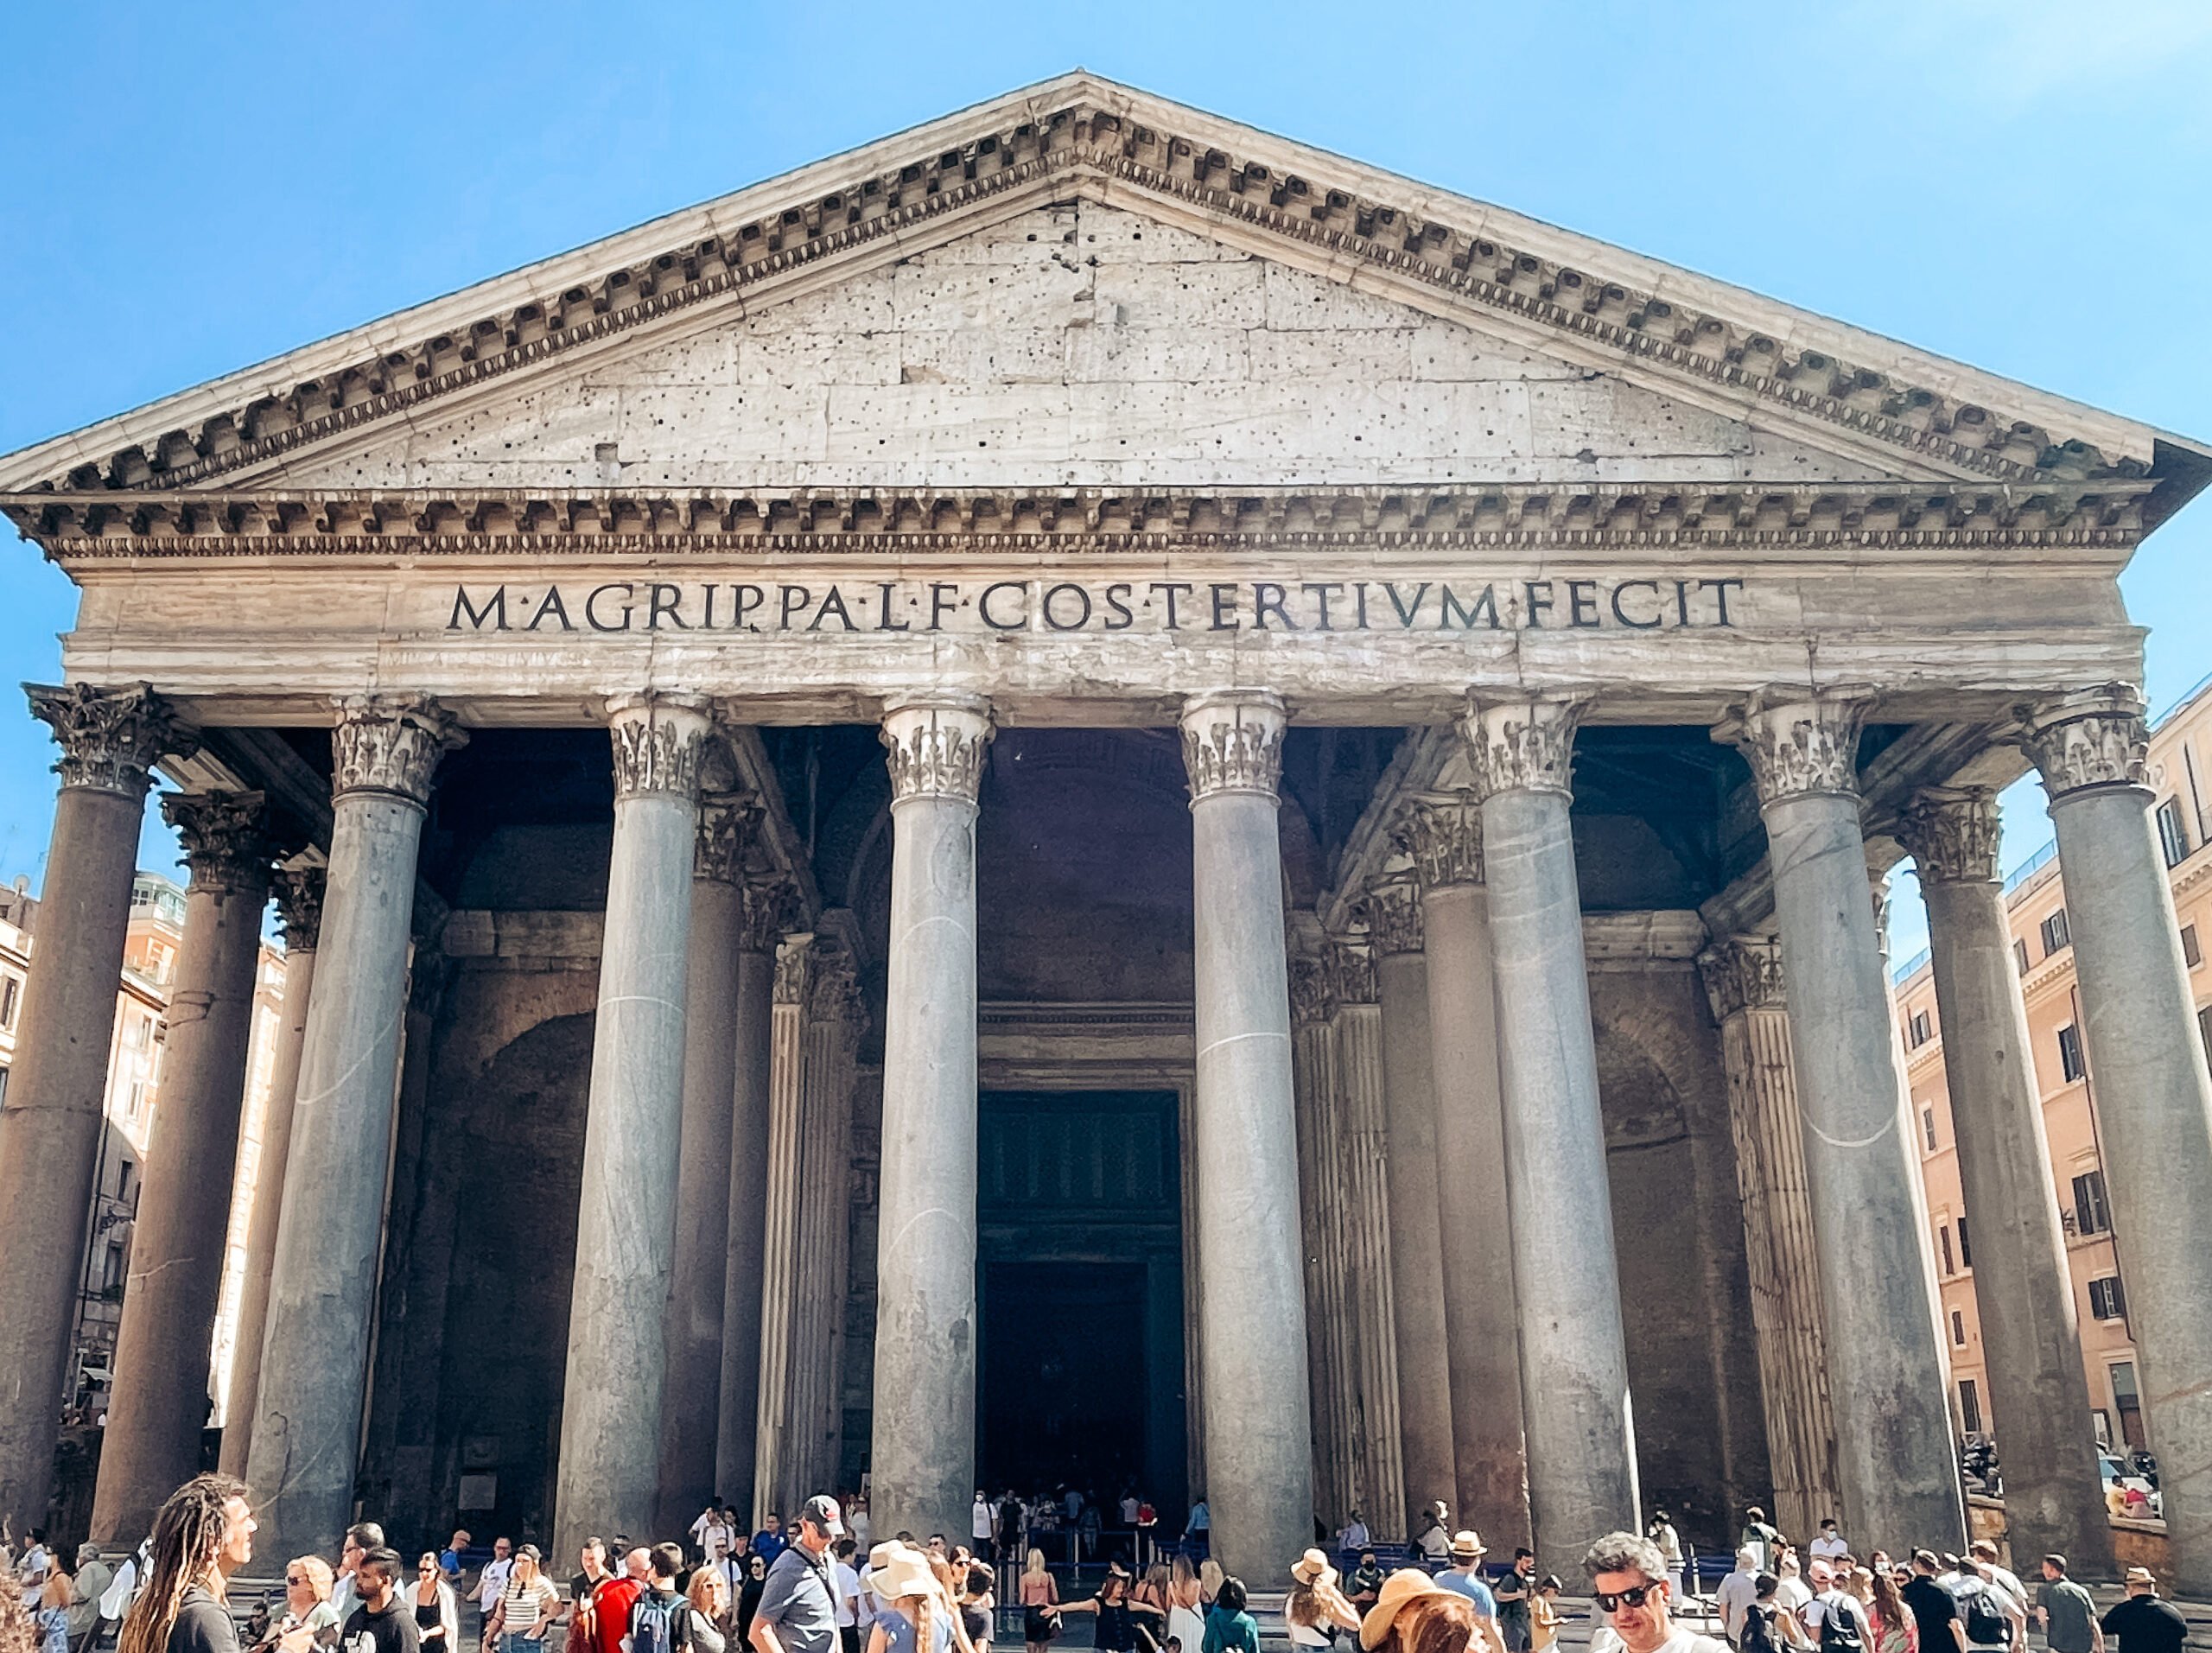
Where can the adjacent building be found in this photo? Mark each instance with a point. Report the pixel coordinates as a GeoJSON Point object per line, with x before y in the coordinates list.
{"type": "Point", "coordinates": [2180, 771]}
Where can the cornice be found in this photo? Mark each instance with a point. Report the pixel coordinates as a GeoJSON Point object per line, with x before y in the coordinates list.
{"type": "Point", "coordinates": [1334, 210]}
{"type": "Point", "coordinates": [1823, 518]}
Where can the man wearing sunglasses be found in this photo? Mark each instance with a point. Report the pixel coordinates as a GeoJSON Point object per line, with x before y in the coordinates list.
{"type": "Point", "coordinates": [1628, 1576]}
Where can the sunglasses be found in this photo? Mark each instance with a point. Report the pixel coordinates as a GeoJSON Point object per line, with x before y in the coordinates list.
{"type": "Point", "coordinates": [1635, 1598]}
{"type": "Point", "coordinates": [295, 1577]}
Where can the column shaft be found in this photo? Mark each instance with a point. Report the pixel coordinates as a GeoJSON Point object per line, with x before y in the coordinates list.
{"type": "Point", "coordinates": [1322, 1211]}
{"type": "Point", "coordinates": [299, 906]}
{"type": "Point", "coordinates": [50, 1124]}
{"type": "Point", "coordinates": [1574, 1359]}
{"type": "Point", "coordinates": [780, 1244]}
{"type": "Point", "coordinates": [306, 1422]}
{"type": "Point", "coordinates": [151, 1445]}
{"type": "Point", "coordinates": [625, 1224]}
{"type": "Point", "coordinates": [2154, 1099]}
{"type": "Point", "coordinates": [737, 1439]}
{"type": "Point", "coordinates": [2038, 1393]}
{"type": "Point", "coordinates": [1895, 1466]}
{"type": "Point", "coordinates": [1252, 1322]}
{"type": "Point", "coordinates": [1378, 1440]}
{"type": "Point", "coordinates": [924, 1413]}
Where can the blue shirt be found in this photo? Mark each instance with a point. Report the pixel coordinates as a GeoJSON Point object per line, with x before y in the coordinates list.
{"type": "Point", "coordinates": [1473, 1588]}
{"type": "Point", "coordinates": [769, 1545]}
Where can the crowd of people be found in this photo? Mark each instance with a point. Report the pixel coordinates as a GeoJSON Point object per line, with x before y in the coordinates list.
{"type": "Point", "coordinates": [817, 1586]}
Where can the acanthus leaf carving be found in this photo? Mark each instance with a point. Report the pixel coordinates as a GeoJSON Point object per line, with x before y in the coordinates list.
{"type": "Point", "coordinates": [299, 906]}
{"type": "Point", "coordinates": [1442, 834]}
{"type": "Point", "coordinates": [1232, 742]}
{"type": "Point", "coordinates": [226, 840]}
{"type": "Point", "coordinates": [1391, 912]}
{"type": "Point", "coordinates": [2096, 738]}
{"type": "Point", "coordinates": [1951, 834]}
{"type": "Point", "coordinates": [728, 821]}
{"type": "Point", "coordinates": [1351, 962]}
{"type": "Point", "coordinates": [657, 741]}
{"type": "Point", "coordinates": [772, 910]}
{"type": "Point", "coordinates": [936, 748]}
{"type": "Point", "coordinates": [390, 743]}
{"type": "Point", "coordinates": [110, 737]}
{"type": "Point", "coordinates": [1523, 744]}
{"type": "Point", "coordinates": [1800, 743]}
{"type": "Point", "coordinates": [1743, 973]}
{"type": "Point", "coordinates": [1313, 995]}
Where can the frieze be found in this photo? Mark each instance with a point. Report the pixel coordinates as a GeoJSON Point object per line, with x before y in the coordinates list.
{"type": "Point", "coordinates": [110, 737]}
{"type": "Point", "coordinates": [2099, 738]}
{"type": "Point", "coordinates": [1232, 742]}
{"type": "Point", "coordinates": [226, 840]}
{"type": "Point", "coordinates": [390, 743]}
{"type": "Point", "coordinates": [1951, 834]}
{"type": "Point", "coordinates": [1798, 742]}
{"type": "Point", "coordinates": [936, 748]}
{"type": "Point", "coordinates": [1742, 973]}
{"type": "Point", "coordinates": [1442, 833]}
{"type": "Point", "coordinates": [1521, 745]}
{"type": "Point", "coordinates": [299, 892]}
{"type": "Point", "coordinates": [658, 740]}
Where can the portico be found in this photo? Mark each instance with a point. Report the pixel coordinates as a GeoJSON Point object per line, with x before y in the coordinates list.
{"type": "Point", "coordinates": [1088, 599]}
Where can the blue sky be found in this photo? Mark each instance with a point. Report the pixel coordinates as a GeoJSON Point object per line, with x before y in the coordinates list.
{"type": "Point", "coordinates": [2024, 184]}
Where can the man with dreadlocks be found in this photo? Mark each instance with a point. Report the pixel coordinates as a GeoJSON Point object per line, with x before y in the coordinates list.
{"type": "Point", "coordinates": [201, 1536]}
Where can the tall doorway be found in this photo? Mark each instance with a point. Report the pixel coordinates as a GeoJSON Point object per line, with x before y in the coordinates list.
{"type": "Point", "coordinates": [1079, 1258]}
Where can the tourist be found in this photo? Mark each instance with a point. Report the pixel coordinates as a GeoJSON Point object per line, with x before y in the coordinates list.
{"type": "Point", "coordinates": [977, 1603]}
{"type": "Point", "coordinates": [1737, 1592]}
{"type": "Point", "coordinates": [1199, 1527]}
{"type": "Point", "coordinates": [1760, 1537]}
{"type": "Point", "coordinates": [1210, 1577]}
{"type": "Point", "coordinates": [55, 1598]}
{"type": "Point", "coordinates": [1230, 1629]}
{"type": "Point", "coordinates": [1934, 1610]}
{"type": "Point", "coordinates": [308, 1581]}
{"type": "Point", "coordinates": [1364, 1587]}
{"type": "Point", "coordinates": [982, 1526]}
{"type": "Point", "coordinates": [708, 1599]}
{"type": "Point", "coordinates": [345, 1594]}
{"type": "Point", "coordinates": [202, 1535]}
{"type": "Point", "coordinates": [1830, 1547]}
{"type": "Point", "coordinates": [1768, 1626]}
{"type": "Point", "coordinates": [437, 1611]}
{"type": "Point", "coordinates": [856, 1523]}
{"type": "Point", "coordinates": [380, 1623]}
{"type": "Point", "coordinates": [715, 1522]}
{"type": "Point", "coordinates": [1465, 1578]}
{"type": "Point", "coordinates": [748, 1599]}
{"type": "Point", "coordinates": [2066, 1612]}
{"type": "Point", "coordinates": [1151, 1591]}
{"type": "Point", "coordinates": [1983, 1555]}
{"type": "Point", "coordinates": [1628, 1578]}
{"type": "Point", "coordinates": [1354, 1536]}
{"type": "Point", "coordinates": [1661, 1532]}
{"type": "Point", "coordinates": [1116, 1612]}
{"type": "Point", "coordinates": [124, 1590]}
{"type": "Point", "coordinates": [1992, 1618]}
{"type": "Point", "coordinates": [449, 1557]}
{"type": "Point", "coordinates": [1834, 1619]}
{"type": "Point", "coordinates": [1400, 1591]}
{"type": "Point", "coordinates": [525, 1609]}
{"type": "Point", "coordinates": [1316, 1609]}
{"type": "Point", "coordinates": [611, 1600]}
{"type": "Point", "coordinates": [93, 1578]}
{"type": "Point", "coordinates": [660, 1618]}
{"type": "Point", "coordinates": [1431, 1537]}
{"type": "Point", "coordinates": [490, 1583]}
{"type": "Point", "coordinates": [575, 1617]}
{"type": "Point", "coordinates": [1185, 1606]}
{"type": "Point", "coordinates": [1791, 1594]}
{"type": "Point", "coordinates": [845, 1582]}
{"type": "Point", "coordinates": [770, 1543]}
{"type": "Point", "coordinates": [797, 1611]}
{"type": "Point", "coordinates": [1889, 1623]}
{"type": "Point", "coordinates": [31, 1570]}
{"type": "Point", "coordinates": [916, 1617]}
{"type": "Point", "coordinates": [1039, 1593]}
{"type": "Point", "coordinates": [1513, 1592]}
{"type": "Point", "coordinates": [2141, 1622]}
{"type": "Point", "coordinates": [1544, 1613]}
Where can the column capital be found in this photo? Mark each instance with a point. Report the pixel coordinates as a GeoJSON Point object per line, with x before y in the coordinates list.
{"type": "Point", "coordinates": [834, 993]}
{"type": "Point", "coordinates": [226, 840]}
{"type": "Point", "coordinates": [1951, 833]}
{"type": "Point", "coordinates": [1232, 742]}
{"type": "Point", "coordinates": [937, 745]}
{"type": "Point", "coordinates": [1442, 833]}
{"type": "Point", "coordinates": [1521, 743]}
{"type": "Point", "coordinates": [110, 737]}
{"type": "Point", "coordinates": [2091, 738]}
{"type": "Point", "coordinates": [1391, 911]}
{"type": "Point", "coordinates": [1351, 964]}
{"type": "Point", "coordinates": [771, 912]}
{"type": "Point", "coordinates": [299, 906]}
{"type": "Point", "coordinates": [1312, 994]}
{"type": "Point", "coordinates": [795, 970]}
{"type": "Point", "coordinates": [1799, 742]}
{"type": "Point", "coordinates": [1742, 973]}
{"type": "Point", "coordinates": [728, 821]}
{"type": "Point", "coordinates": [390, 743]}
{"type": "Point", "coordinates": [657, 741]}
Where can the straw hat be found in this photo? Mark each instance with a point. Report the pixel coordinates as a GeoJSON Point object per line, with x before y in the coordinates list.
{"type": "Point", "coordinates": [904, 1571]}
{"type": "Point", "coordinates": [1467, 1544]}
{"type": "Point", "coordinates": [1398, 1589]}
{"type": "Point", "coordinates": [1312, 1570]}
{"type": "Point", "coordinates": [2140, 1575]}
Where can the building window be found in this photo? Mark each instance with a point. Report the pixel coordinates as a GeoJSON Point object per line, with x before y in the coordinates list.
{"type": "Point", "coordinates": [2204, 1029]}
{"type": "Point", "coordinates": [1919, 1030]}
{"type": "Point", "coordinates": [123, 1169]}
{"type": "Point", "coordinates": [2107, 1301]}
{"type": "Point", "coordinates": [1966, 1251]}
{"type": "Point", "coordinates": [2127, 1401]}
{"type": "Point", "coordinates": [2192, 955]}
{"type": "Point", "coordinates": [1969, 1406]}
{"type": "Point", "coordinates": [1959, 1334]}
{"type": "Point", "coordinates": [2070, 1053]}
{"type": "Point", "coordinates": [1943, 1244]}
{"type": "Point", "coordinates": [114, 1268]}
{"type": "Point", "coordinates": [3, 1085]}
{"type": "Point", "coordinates": [142, 1031]}
{"type": "Point", "coordinates": [9, 987]}
{"type": "Point", "coordinates": [2091, 1214]}
{"type": "Point", "coordinates": [136, 1100]}
{"type": "Point", "coordinates": [1928, 1128]}
{"type": "Point", "coordinates": [2173, 836]}
{"type": "Point", "coordinates": [2054, 933]}
{"type": "Point", "coordinates": [2021, 957]}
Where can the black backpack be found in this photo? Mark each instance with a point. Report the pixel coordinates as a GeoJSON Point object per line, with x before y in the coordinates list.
{"type": "Point", "coordinates": [1986, 1623]}
{"type": "Point", "coordinates": [1842, 1630]}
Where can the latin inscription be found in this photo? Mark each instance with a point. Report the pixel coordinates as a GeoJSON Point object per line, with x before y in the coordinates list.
{"type": "Point", "coordinates": [838, 607]}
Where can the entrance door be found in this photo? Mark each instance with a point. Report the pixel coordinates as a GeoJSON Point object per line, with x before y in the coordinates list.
{"type": "Point", "coordinates": [1079, 1255]}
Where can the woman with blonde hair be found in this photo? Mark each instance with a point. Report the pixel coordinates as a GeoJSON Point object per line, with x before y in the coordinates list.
{"type": "Point", "coordinates": [1039, 1593]}
{"type": "Point", "coordinates": [1210, 1577]}
{"type": "Point", "coordinates": [1151, 1591]}
{"type": "Point", "coordinates": [1316, 1609]}
{"type": "Point", "coordinates": [308, 1581]}
{"type": "Point", "coordinates": [916, 1619]}
{"type": "Point", "coordinates": [709, 1599]}
{"type": "Point", "coordinates": [1184, 1605]}
{"type": "Point", "coordinates": [526, 1608]}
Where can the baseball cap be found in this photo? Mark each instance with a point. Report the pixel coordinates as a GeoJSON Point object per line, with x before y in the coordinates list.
{"type": "Point", "coordinates": [821, 1510]}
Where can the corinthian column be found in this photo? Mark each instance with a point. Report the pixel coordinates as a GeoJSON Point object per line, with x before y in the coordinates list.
{"type": "Point", "coordinates": [152, 1442]}
{"type": "Point", "coordinates": [50, 1124]}
{"type": "Point", "coordinates": [2153, 1097]}
{"type": "Point", "coordinates": [299, 911]}
{"type": "Point", "coordinates": [691, 1403]}
{"type": "Point", "coordinates": [1573, 1362]}
{"type": "Point", "coordinates": [1324, 1232]}
{"type": "Point", "coordinates": [1391, 912]}
{"type": "Point", "coordinates": [925, 1417]}
{"type": "Point", "coordinates": [1443, 836]}
{"type": "Point", "coordinates": [1894, 1463]}
{"type": "Point", "coordinates": [626, 1223]}
{"type": "Point", "coordinates": [306, 1421]}
{"type": "Point", "coordinates": [1742, 980]}
{"type": "Point", "coordinates": [1252, 1322]}
{"type": "Point", "coordinates": [2038, 1393]}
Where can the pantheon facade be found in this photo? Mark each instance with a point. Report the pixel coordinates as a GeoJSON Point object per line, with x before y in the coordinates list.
{"type": "Point", "coordinates": [1086, 796]}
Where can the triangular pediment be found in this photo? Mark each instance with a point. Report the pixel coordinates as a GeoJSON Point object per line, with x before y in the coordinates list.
{"type": "Point", "coordinates": [529, 364]}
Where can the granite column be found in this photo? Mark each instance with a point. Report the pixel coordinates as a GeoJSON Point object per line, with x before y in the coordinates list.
{"type": "Point", "coordinates": [307, 1422]}
{"type": "Point", "coordinates": [626, 1213]}
{"type": "Point", "coordinates": [1895, 1467]}
{"type": "Point", "coordinates": [1574, 1359]}
{"type": "Point", "coordinates": [2154, 1097]}
{"type": "Point", "coordinates": [1253, 1317]}
{"type": "Point", "coordinates": [925, 1417]}
{"type": "Point", "coordinates": [151, 1445]}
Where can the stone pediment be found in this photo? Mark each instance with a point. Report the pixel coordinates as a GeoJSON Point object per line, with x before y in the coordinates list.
{"type": "Point", "coordinates": [883, 318]}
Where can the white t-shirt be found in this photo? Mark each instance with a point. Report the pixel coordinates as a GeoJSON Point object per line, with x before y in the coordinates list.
{"type": "Point", "coordinates": [1607, 1640]}
{"type": "Point", "coordinates": [1845, 1608]}
{"type": "Point", "coordinates": [1830, 1550]}
{"type": "Point", "coordinates": [849, 1589]}
{"type": "Point", "coordinates": [979, 1520]}
{"type": "Point", "coordinates": [1737, 1592]}
{"type": "Point", "coordinates": [492, 1583]}
{"type": "Point", "coordinates": [1129, 1509]}
{"type": "Point", "coordinates": [1791, 1595]}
